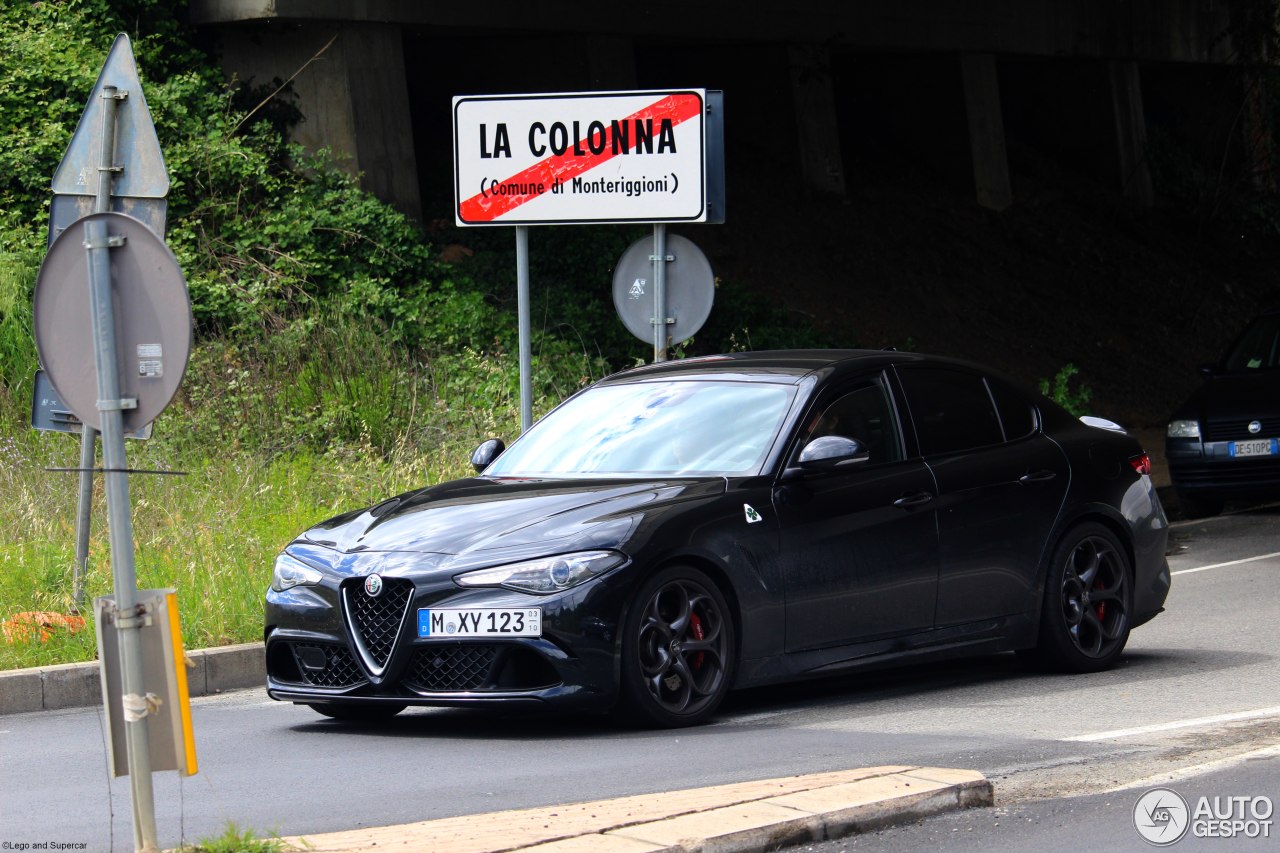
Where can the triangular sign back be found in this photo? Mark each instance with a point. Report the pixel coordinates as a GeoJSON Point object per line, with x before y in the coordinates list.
{"type": "Point", "coordinates": [137, 148]}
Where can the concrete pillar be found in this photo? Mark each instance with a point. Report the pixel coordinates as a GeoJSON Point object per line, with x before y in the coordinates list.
{"type": "Point", "coordinates": [1259, 132]}
{"type": "Point", "coordinates": [353, 96]}
{"type": "Point", "coordinates": [821, 162]}
{"type": "Point", "coordinates": [986, 130]}
{"type": "Point", "coordinates": [1130, 133]}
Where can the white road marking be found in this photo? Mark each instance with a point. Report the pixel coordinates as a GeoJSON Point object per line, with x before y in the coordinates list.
{"type": "Point", "coordinates": [1178, 724]}
{"type": "Point", "coordinates": [1197, 769]}
{"type": "Point", "coordinates": [1231, 563]}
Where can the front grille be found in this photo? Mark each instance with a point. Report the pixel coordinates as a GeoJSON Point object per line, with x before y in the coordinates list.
{"type": "Point", "coordinates": [1237, 429]}
{"type": "Point", "coordinates": [450, 668]}
{"type": "Point", "coordinates": [376, 621]}
{"type": "Point", "coordinates": [1258, 475]}
{"type": "Point", "coordinates": [339, 668]}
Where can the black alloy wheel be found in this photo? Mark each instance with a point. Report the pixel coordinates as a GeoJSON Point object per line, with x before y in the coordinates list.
{"type": "Point", "coordinates": [354, 712]}
{"type": "Point", "coordinates": [678, 650]}
{"type": "Point", "coordinates": [1088, 598]}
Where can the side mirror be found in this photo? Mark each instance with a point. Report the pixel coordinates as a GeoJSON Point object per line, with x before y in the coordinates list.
{"type": "Point", "coordinates": [828, 453]}
{"type": "Point", "coordinates": [485, 454]}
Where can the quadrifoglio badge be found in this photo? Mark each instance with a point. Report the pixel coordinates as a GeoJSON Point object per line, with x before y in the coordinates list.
{"type": "Point", "coordinates": [1162, 817]}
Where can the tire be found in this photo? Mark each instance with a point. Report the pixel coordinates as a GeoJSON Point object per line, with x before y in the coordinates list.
{"type": "Point", "coordinates": [678, 651]}
{"type": "Point", "coordinates": [1088, 601]}
{"type": "Point", "coordinates": [353, 712]}
{"type": "Point", "coordinates": [1198, 506]}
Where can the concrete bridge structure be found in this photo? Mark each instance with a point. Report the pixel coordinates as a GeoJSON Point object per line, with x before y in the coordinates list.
{"type": "Point", "coordinates": [811, 85]}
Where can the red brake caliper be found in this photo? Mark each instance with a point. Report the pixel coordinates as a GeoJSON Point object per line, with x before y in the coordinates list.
{"type": "Point", "coordinates": [1101, 610]}
{"type": "Point", "coordinates": [695, 628]}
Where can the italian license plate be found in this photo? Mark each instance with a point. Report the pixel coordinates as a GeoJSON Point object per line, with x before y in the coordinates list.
{"type": "Point", "coordinates": [479, 622]}
{"type": "Point", "coordinates": [1256, 447]}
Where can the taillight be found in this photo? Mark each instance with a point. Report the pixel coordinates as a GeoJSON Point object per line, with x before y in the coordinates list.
{"type": "Point", "coordinates": [1141, 463]}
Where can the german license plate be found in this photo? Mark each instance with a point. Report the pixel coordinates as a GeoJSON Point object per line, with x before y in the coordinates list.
{"type": "Point", "coordinates": [479, 622]}
{"type": "Point", "coordinates": [1256, 447]}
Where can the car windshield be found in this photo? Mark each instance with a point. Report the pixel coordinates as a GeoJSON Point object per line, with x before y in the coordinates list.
{"type": "Point", "coordinates": [1258, 348]}
{"type": "Point", "coordinates": [675, 428]}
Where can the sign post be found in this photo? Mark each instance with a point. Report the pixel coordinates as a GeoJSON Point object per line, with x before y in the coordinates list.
{"type": "Point", "coordinates": [137, 314]}
{"type": "Point", "coordinates": [587, 157]}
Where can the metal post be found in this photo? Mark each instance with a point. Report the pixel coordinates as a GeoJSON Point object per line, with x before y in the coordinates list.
{"type": "Point", "coordinates": [659, 292]}
{"type": "Point", "coordinates": [84, 508]}
{"type": "Point", "coordinates": [522, 307]}
{"type": "Point", "coordinates": [119, 517]}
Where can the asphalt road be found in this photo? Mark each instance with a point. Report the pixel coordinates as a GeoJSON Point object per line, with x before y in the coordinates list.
{"type": "Point", "coordinates": [1199, 685]}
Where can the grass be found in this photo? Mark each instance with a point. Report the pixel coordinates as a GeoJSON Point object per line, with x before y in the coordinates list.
{"type": "Point", "coordinates": [258, 473]}
{"type": "Point", "coordinates": [235, 839]}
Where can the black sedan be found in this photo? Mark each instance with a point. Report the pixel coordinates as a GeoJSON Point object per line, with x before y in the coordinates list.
{"type": "Point", "coordinates": [1224, 441]}
{"type": "Point", "coordinates": [682, 529]}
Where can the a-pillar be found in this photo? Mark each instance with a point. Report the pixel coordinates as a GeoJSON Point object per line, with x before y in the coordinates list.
{"type": "Point", "coordinates": [821, 163]}
{"type": "Point", "coordinates": [352, 95]}
{"type": "Point", "coordinates": [1131, 133]}
{"type": "Point", "coordinates": [986, 130]}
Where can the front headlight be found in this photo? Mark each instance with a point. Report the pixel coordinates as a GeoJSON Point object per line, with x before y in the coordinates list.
{"type": "Point", "coordinates": [546, 574]}
{"type": "Point", "coordinates": [1184, 429]}
{"type": "Point", "coordinates": [290, 572]}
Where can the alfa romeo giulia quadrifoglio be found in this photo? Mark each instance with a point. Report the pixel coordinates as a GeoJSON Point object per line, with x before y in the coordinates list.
{"type": "Point", "coordinates": [679, 530]}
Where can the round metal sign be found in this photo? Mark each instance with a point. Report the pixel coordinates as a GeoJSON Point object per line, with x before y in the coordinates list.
{"type": "Point", "coordinates": [152, 320]}
{"type": "Point", "coordinates": [691, 288]}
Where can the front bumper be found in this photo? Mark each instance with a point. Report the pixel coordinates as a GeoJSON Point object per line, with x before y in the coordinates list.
{"type": "Point", "coordinates": [317, 651]}
{"type": "Point", "coordinates": [1210, 470]}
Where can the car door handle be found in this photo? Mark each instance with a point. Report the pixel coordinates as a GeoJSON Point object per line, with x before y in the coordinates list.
{"type": "Point", "coordinates": [916, 499]}
{"type": "Point", "coordinates": [1037, 477]}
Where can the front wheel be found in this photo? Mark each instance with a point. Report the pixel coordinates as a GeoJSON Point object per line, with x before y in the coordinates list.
{"type": "Point", "coordinates": [678, 650]}
{"type": "Point", "coordinates": [1088, 597]}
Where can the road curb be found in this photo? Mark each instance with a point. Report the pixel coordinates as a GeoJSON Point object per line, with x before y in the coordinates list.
{"type": "Point", "coordinates": [739, 818]}
{"type": "Point", "coordinates": [76, 685]}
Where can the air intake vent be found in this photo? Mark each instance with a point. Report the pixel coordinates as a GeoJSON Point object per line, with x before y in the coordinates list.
{"type": "Point", "coordinates": [327, 666]}
{"type": "Point", "coordinates": [450, 668]}
{"type": "Point", "coordinates": [376, 620]}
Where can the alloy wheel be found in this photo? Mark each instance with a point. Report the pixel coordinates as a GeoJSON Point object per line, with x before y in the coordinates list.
{"type": "Point", "coordinates": [1094, 595]}
{"type": "Point", "coordinates": [682, 648]}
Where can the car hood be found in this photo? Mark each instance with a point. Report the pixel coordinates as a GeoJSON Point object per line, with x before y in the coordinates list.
{"type": "Point", "coordinates": [483, 521]}
{"type": "Point", "coordinates": [1237, 395]}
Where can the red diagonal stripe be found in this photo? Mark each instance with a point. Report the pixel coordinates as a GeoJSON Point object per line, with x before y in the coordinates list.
{"type": "Point", "coordinates": [482, 208]}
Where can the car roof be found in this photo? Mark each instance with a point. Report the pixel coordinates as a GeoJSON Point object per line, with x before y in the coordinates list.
{"type": "Point", "coordinates": [784, 366]}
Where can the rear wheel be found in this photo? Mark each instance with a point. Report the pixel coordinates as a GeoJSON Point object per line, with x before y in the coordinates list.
{"type": "Point", "coordinates": [677, 651]}
{"type": "Point", "coordinates": [356, 712]}
{"type": "Point", "coordinates": [1088, 598]}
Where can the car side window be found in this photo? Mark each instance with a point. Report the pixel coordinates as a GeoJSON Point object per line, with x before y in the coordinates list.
{"type": "Point", "coordinates": [951, 409]}
{"type": "Point", "coordinates": [1017, 416]}
{"type": "Point", "coordinates": [864, 413]}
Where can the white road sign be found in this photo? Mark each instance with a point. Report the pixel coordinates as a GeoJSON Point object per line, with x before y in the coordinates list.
{"type": "Point", "coordinates": [580, 157]}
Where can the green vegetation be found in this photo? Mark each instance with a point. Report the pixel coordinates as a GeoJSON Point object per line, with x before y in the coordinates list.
{"type": "Point", "coordinates": [1059, 390]}
{"type": "Point", "coordinates": [237, 840]}
{"type": "Point", "coordinates": [338, 359]}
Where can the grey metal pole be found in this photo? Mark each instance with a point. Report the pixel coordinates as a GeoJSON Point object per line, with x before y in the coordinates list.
{"type": "Point", "coordinates": [84, 508]}
{"type": "Point", "coordinates": [659, 292]}
{"type": "Point", "coordinates": [119, 515]}
{"type": "Point", "coordinates": [522, 308]}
